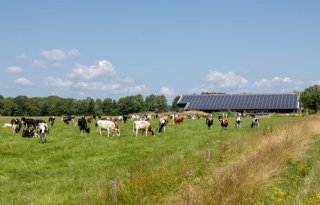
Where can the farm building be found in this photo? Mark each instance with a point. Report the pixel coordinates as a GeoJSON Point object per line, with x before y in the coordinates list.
{"type": "Point", "coordinates": [279, 103]}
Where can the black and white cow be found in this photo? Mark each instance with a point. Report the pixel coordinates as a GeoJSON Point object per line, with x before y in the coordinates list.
{"type": "Point", "coordinates": [125, 118]}
{"type": "Point", "coordinates": [42, 131]}
{"type": "Point", "coordinates": [209, 122]}
{"type": "Point", "coordinates": [238, 121]}
{"type": "Point", "coordinates": [162, 124]}
{"type": "Point", "coordinates": [28, 122]}
{"type": "Point", "coordinates": [16, 125]}
{"type": "Point", "coordinates": [83, 126]}
{"type": "Point", "coordinates": [51, 120]}
{"type": "Point", "coordinates": [255, 122]}
{"type": "Point", "coordinates": [28, 133]}
{"type": "Point", "coordinates": [68, 118]}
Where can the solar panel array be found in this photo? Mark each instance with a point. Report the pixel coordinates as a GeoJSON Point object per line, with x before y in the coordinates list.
{"type": "Point", "coordinates": [240, 102]}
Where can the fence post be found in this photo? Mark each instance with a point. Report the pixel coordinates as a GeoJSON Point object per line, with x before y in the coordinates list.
{"type": "Point", "coordinates": [115, 191]}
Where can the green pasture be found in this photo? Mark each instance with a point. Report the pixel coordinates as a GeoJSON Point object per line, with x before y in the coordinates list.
{"type": "Point", "coordinates": [79, 169]}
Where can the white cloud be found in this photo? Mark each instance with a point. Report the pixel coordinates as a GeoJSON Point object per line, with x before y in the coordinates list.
{"type": "Point", "coordinates": [138, 89]}
{"type": "Point", "coordinates": [97, 86]}
{"type": "Point", "coordinates": [229, 79]}
{"type": "Point", "coordinates": [23, 81]}
{"type": "Point", "coordinates": [86, 72]}
{"type": "Point", "coordinates": [21, 56]}
{"type": "Point", "coordinates": [276, 81]}
{"type": "Point", "coordinates": [14, 69]}
{"type": "Point", "coordinates": [57, 65]}
{"type": "Point", "coordinates": [167, 91]}
{"type": "Point", "coordinates": [58, 54]}
{"type": "Point", "coordinates": [57, 82]}
{"type": "Point", "coordinates": [38, 64]}
{"type": "Point", "coordinates": [197, 90]}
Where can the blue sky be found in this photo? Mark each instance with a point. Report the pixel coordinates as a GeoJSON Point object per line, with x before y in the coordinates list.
{"type": "Point", "coordinates": [111, 49]}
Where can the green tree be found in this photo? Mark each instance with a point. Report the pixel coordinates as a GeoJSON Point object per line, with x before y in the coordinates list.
{"type": "Point", "coordinates": [88, 104]}
{"type": "Point", "coordinates": [1, 103]}
{"type": "Point", "coordinates": [175, 106]}
{"type": "Point", "coordinates": [98, 107]}
{"type": "Point", "coordinates": [155, 103]}
{"type": "Point", "coordinates": [162, 103]}
{"type": "Point", "coordinates": [131, 104]}
{"type": "Point", "coordinates": [310, 98]}
{"type": "Point", "coordinates": [138, 102]}
{"type": "Point", "coordinates": [10, 108]}
{"type": "Point", "coordinates": [151, 103]}
{"type": "Point", "coordinates": [23, 105]}
{"type": "Point", "coordinates": [109, 107]}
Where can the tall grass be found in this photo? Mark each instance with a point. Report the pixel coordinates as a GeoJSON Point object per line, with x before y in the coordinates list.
{"type": "Point", "coordinates": [171, 168]}
{"type": "Point", "coordinates": [240, 181]}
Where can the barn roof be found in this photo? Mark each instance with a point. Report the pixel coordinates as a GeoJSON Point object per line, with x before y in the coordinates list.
{"type": "Point", "coordinates": [240, 102]}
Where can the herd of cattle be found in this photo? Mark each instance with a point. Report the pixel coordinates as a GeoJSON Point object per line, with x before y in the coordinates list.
{"type": "Point", "coordinates": [39, 128]}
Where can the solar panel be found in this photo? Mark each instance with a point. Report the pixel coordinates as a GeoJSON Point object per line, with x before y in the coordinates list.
{"type": "Point", "coordinates": [240, 102]}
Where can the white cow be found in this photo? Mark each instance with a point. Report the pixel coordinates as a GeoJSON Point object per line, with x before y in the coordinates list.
{"type": "Point", "coordinates": [238, 121]}
{"type": "Point", "coordinates": [142, 125]}
{"type": "Point", "coordinates": [43, 130]}
{"type": "Point", "coordinates": [109, 126]}
{"type": "Point", "coordinates": [7, 125]}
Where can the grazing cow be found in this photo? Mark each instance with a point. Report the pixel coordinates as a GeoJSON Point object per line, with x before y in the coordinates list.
{"type": "Point", "coordinates": [142, 125]}
{"type": "Point", "coordinates": [91, 118]}
{"type": "Point", "coordinates": [209, 122]}
{"type": "Point", "coordinates": [51, 120]}
{"type": "Point", "coordinates": [162, 124]}
{"type": "Point", "coordinates": [42, 131]}
{"type": "Point", "coordinates": [83, 126]}
{"type": "Point", "coordinates": [238, 121]}
{"type": "Point", "coordinates": [125, 118]}
{"type": "Point", "coordinates": [178, 119]}
{"type": "Point", "coordinates": [109, 126]}
{"type": "Point", "coordinates": [16, 125]}
{"type": "Point", "coordinates": [172, 116]}
{"type": "Point", "coordinates": [255, 122]}
{"type": "Point", "coordinates": [223, 121]}
{"type": "Point", "coordinates": [68, 118]}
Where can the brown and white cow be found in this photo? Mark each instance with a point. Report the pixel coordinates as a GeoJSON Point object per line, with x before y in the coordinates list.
{"type": "Point", "coordinates": [178, 119]}
{"type": "Point", "coordinates": [108, 125]}
{"type": "Point", "coordinates": [142, 125]}
{"type": "Point", "coordinates": [223, 120]}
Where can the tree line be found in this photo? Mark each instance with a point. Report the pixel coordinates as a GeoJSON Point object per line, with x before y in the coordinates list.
{"type": "Point", "coordinates": [57, 106]}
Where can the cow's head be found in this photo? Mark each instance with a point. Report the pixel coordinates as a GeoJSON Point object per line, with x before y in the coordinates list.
{"type": "Point", "coordinates": [151, 131]}
{"type": "Point", "coordinates": [117, 131]}
{"type": "Point", "coordinates": [23, 120]}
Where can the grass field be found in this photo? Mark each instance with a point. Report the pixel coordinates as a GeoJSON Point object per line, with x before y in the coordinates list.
{"type": "Point", "coordinates": [188, 165]}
